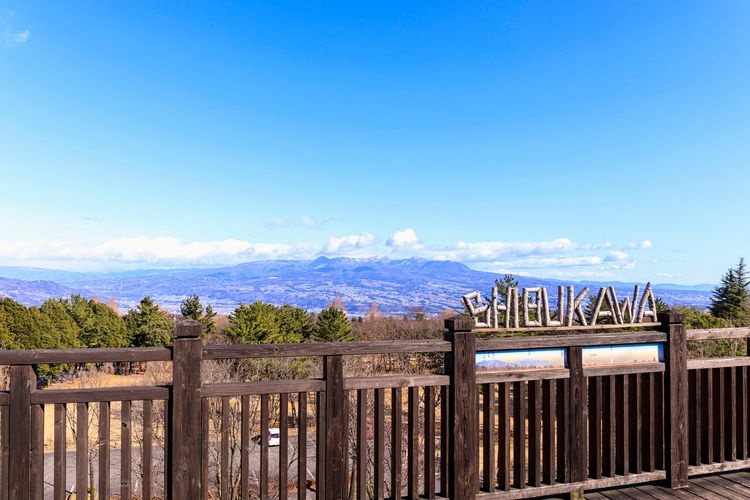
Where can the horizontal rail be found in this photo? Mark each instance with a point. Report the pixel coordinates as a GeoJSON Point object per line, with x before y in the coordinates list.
{"type": "Point", "coordinates": [718, 333]}
{"type": "Point", "coordinates": [96, 395]}
{"type": "Point", "coordinates": [263, 387]}
{"type": "Point", "coordinates": [521, 375]}
{"type": "Point", "coordinates": [595, 328]}
{"type": "Point", "coordinates": [91, 355]}
{"type": "Point", "coordinates": [590, 484]}
{"type": "Point", "coordinates": [697, 470]}
{"type": "Point", "coordinates": [231, 351]}
{"type": "Point", "coordinates": [396, 381]}
{"type": "Point", "coordinates": [623, 369]}
{"type": "Point", "coordinates": [698, 364]}
{"type": "Point", "coordinates": [594, 339]}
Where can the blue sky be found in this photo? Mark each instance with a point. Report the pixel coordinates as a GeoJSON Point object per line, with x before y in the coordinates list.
{"type": "Point", "coordinates": [579, 140]}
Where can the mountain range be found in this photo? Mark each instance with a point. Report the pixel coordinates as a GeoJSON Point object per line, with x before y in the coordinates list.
{"type": "Point", "coordinates": [397, 286]}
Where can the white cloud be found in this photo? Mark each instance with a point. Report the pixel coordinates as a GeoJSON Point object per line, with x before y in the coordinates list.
{"type": "Point", "coordinates": [160, 251]}
{"type": "Point", "coordinates": [11, 39]}
{"type": "Point", "coordinates": [617, 256]}
{"type": "Point", "coordinates": [346, 243]}
{"type": "Point", "coordinates": [641, 245]}
{"type": "Point", "coordinates": [22, 37]}
{"type": "Point", "coordinates": [403, 238]}
{"type": "Point", "coordinates": [304, 221]}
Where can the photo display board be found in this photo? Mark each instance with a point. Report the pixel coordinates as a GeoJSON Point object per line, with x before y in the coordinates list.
{"type": "Point", "coordinates": [531, 359]}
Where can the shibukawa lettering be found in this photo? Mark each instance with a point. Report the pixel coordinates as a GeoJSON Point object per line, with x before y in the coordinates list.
{"type": "Point", "coordinates": [533, 309]}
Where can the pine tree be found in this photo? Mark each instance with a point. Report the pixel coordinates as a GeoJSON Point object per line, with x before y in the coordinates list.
{"type": "Point", "coordinates": [730, 298]}
{"type": "Point", "coordinates": [191, 308]}
{"type": "Point", "coordinates": [333, 326]}
{"type": "Point", "coordinates": [149, 325]}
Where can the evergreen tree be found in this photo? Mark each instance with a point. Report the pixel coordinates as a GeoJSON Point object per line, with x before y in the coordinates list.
{"type": "Point", "coordinates": [333, 326]}
{"type": "Point", "coordinates": [99, 324]}
{"type": "Point", "coordinates": [256, 323]}
{"type": "Point", "coordinates": [191, 308]}
{"type": "Point", "coordinates": [730, 298]}
{"type": "Point", "coordinates": [148, 325]}
{"type": "Point", "coordinates": [295, 324]}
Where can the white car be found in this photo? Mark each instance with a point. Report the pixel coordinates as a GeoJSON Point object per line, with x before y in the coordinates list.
{"type": "Point", "coordinates": [274, 436]}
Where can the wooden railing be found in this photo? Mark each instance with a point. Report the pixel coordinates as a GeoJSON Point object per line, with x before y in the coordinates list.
{"type": "Point", "coordinates": [456, 434]}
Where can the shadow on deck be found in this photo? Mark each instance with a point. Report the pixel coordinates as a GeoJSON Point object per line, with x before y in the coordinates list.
{"type": "Point", "coordinates": [732, 485]}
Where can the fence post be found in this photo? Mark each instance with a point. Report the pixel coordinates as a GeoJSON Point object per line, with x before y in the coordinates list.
{"type": "Point", "coordinates": [577, 420]}
{"type": "Point", "coordinates": [675, 399]}
{"type": "Point", "coordinates": [22, 384]}
{"type": "Point", "coordinates": [335, 428]}
{"type": "Point", "coordinates": [185, 428]}
{"type": "Point", "coordinates": [460, 364]}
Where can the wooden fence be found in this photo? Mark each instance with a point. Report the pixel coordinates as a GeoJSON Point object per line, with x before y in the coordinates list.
{"type": "Point", "coordinates": [459, 434]}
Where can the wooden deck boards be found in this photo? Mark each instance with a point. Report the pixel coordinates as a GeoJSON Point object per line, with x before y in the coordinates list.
{"type": "Point", "coordinates": [731, 485]}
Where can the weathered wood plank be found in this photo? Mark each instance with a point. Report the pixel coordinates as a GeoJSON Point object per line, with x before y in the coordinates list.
{"type": "Point", "coordinates": [609, 427]}
{"type": "Point", "coordinates": [336, 426]}
{"type": "Point", "coordinates": [258, 388]}
{"type": "Point", "coordinates": [548, 432]}
{"type": "Point", "coordinates": [595, 427]}
{"type": "Point", "coordinates": [429, 442]}
{"type": "Point", "coordinates": [87, 355]}
{"type": "Point", "coordinates": [396, 441]}
{"type": "Point", "coordinates": [519, 435]}
{"type": "Point", "coordinates": [240, 351]}
{"type": "Point", "coordinates": [284, 445]}
{"type": "Point", "coordinates": [676, 398]}
{"type": "Point", "coordinates": [104, 451]}
{"type": "Point", "coordinates": [302, 446]}
{"type": "Point", "coordinates": [379, 468]}
{"type": "Point", "coordinates": [147, 450]}
{"type": "Point", "coordinates": [504, 412]}
{"type": "Point", "coordinates": [82, 445]}
{"type": "Point", "coordinates": [125, 450]}
{"type": "Point", "coordinates": [22, 385]}
{"type": "Point", "coordinates": [412, 467]}
{"type": "Point", "coordinates": [535, 427]}
{"type": "Point", "coordinates": [488, 438]}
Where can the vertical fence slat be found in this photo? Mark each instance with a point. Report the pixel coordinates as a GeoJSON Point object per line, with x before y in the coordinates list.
{"type": "Point", "coordinates": [320, 452]}
{"type": "Point", "coordinates": [336, 432]}
{"type": "Point", "coordinates": [148, 443]}
{"type": "Point", "coordinates": [595, 427]}
{"type": "Point", "coordinates": [718, 411]}
{"type": "Point", "coordinates": [429, 442]}
{"type": "Point", "coordinates": [659, 421]}
{"type": "Point", "coordinates": [635, 424]}
{"type": "Point", "coordinates": [707, 416]}
{"type": "Point", "coordinates": [396, 437]}
{"type": "Point", "coordinates": [284, 446]}
{"type": "Point", "coordinates": [504, 411]}
{"type": "Point", "coordinates": [562, 430]}
{"type": "Point", "coordinates": [694, 416]}
{"type": "Point", "coordinates": [413, 443]}
{"type": "Point", "coordinates": [82, 445]}
{"type": "Point", "coordinates": [519, 434]}
{"type": "Point", "coordinates": [3, 452]}
{"type": "Point", "coordinates": [37, 451]}
{"type": "Point", "coordinates": [649, 414]}
{"type": "Point", "coordinates": [362, 444]}
{"type": "Point", "coordinates": [302, 446]}
{"type": "Point", "coordinates": [609, 428]}
{"type": "Point", "coordinates": [379, 473]}
{"type": "Point", "coordinates": [444, 440]}
{"type": "Point", "coordinates": [730, 412]}
{"type": "Point", "coordinates": [535, 427]}
{"type": "Point", "coordinates": [264, 446]}
{"type": "Point", "coordinates": [741, 421]}
{"type": "Point", "coordinates": [488, 437]}
{"type": "Point", "coordinates": [205, 416]}
{"type": "Point", "coordinates": [104, 450]}
{"type": "Point", "coordinates": [623, 429]}
{"type": "Point", "coordinates": [548, 432]}
{"type": "Point", "coordinates": [167, 447]}
{"type": "Point", "coordinates": [224, 450]}
{"type": "Point", "coordinates": [61, 455]}
{"type": "Point", "coordinates": [4, 431]}
{"type": "Point", "coordinates": [245, 447]}
{"type": "Point", "coordinates": [125, 450]}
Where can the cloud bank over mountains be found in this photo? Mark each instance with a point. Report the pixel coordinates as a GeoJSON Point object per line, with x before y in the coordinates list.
{"type": "Point", "coordinates": [558, 257]}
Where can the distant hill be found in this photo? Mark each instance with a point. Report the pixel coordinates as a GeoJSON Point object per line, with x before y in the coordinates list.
{"type": "Point", "coordinates": [397, 286]}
